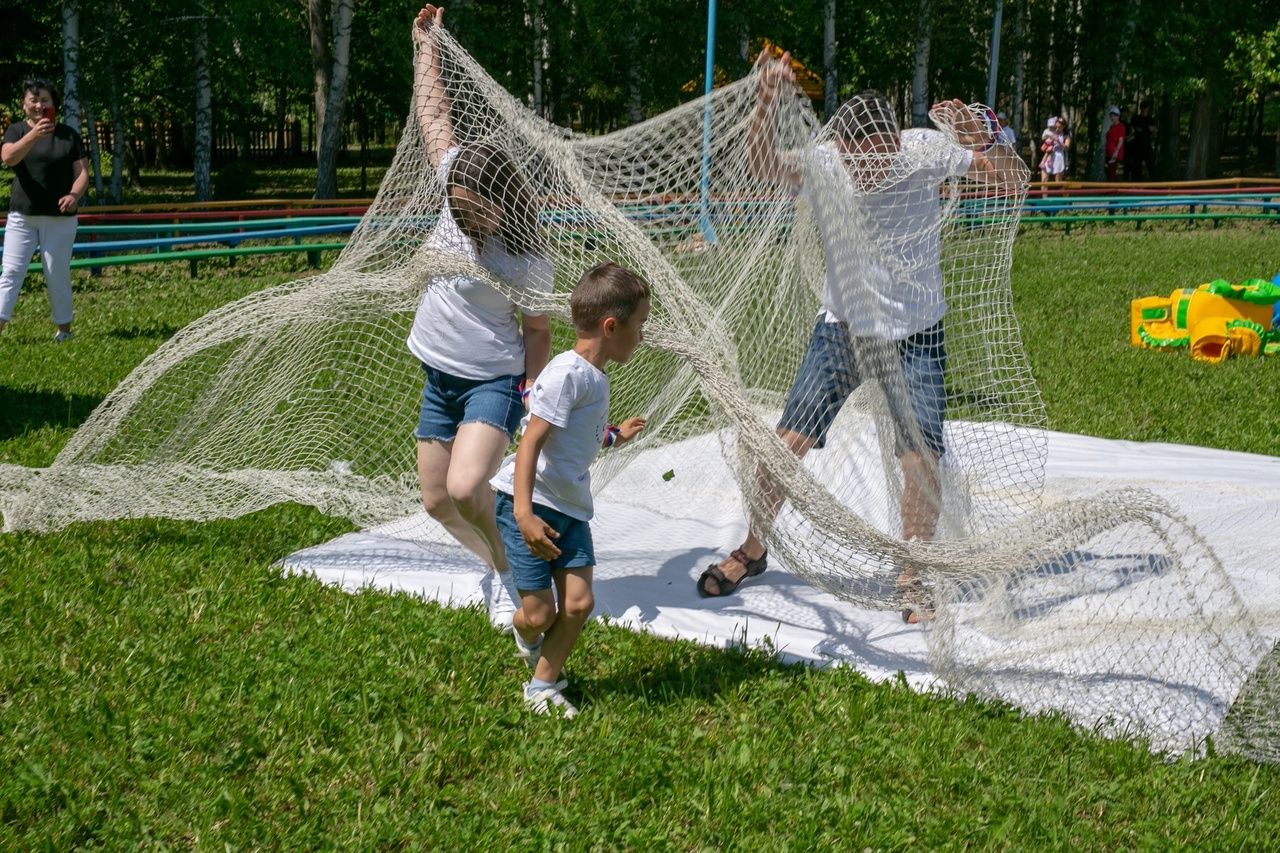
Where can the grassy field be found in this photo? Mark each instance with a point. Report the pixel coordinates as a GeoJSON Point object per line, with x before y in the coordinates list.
{"type": "Point", "coordinates": [161, 684]}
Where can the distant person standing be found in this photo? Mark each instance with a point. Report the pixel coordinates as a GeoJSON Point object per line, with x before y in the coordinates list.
{"type": "Point", "coordinates": [1007, 136]}
{"type": "Point", "coordinates": [1140, 154]}
{"type": "Point", "coordinates": [1055, 143]}
{"type": "Point", "coordinates": [1115, 144]}
{"type": "Point", "coordinates": [50, 176]}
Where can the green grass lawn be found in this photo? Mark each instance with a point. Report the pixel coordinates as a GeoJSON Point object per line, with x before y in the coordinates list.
{"type": "Point", "coordinates": [162, 684]}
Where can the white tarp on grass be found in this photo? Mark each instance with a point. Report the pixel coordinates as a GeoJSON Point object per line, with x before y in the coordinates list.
{"type": "Point", "coordinates": [654, 536]}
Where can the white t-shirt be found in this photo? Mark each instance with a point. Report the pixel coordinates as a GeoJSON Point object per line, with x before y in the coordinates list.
{"type": "Point", "coordinates": [889, 286]}
{"type": "Point", "coordinates": [464, 326]}
{"type": "Point", "coordinates": [572, 395]}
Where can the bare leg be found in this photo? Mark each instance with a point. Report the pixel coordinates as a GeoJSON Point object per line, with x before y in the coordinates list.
{"type": "Point", "coordinates": [576, 604]}
{"type": "Point", "coordinates": [921, 500]}
{"type": "Point", "coordinates": [921, 496]}
{"type": "Point", "coordinates": [536, 615]}
{"type": "Point", "coordinates": [752, 546]}
{"type": "Point", "coordinates": [477, 453]}
{"type": "Point", "coordinates": [435, 463]}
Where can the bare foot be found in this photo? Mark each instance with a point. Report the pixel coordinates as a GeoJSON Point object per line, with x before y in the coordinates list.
{"type": "Point", "coordinates": [917, 602]}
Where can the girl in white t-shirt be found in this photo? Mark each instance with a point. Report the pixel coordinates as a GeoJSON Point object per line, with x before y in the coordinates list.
{"type": "Point", "coordinates": [477, 347]}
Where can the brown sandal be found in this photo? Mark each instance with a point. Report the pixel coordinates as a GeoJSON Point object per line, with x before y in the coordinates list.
{"type": "Point", "coordinates": [724, 586]}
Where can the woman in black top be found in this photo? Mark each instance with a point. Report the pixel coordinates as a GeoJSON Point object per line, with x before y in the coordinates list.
{"type": "Point", "coordinates": [50, 177]}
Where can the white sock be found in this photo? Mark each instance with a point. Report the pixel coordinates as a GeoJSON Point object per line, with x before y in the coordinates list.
{"type": "Point", "coordinates": [536, 684]}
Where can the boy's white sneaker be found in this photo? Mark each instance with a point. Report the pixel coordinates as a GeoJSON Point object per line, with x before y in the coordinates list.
{"type": "Point", "coordinates": [528, 652]}
{"type": "Point", "coordinates": [498, 600]}
{"type": "Point", "coordinates": [549, 700]}
{"type": "Point", "coordinates": [61, 337]}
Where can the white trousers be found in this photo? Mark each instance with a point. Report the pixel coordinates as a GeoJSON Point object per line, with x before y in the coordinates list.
{"type": "Point", "coordinates": [55, 236]}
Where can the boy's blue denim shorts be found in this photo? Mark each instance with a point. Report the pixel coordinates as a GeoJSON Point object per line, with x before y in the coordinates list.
{"type": "Point", "coordinates": [829, 374]}
{"type": "Point", "coordinates": [449, 401]}
{"type": "Point", "coordinates": [531, 573]}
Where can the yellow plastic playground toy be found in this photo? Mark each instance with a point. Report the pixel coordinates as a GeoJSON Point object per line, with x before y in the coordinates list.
{"type": "Point", "coordinates": [1215, 320]}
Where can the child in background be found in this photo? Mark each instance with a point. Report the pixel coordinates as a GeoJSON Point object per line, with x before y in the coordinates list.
{"type": "Point", "coordinates": [544, 491]}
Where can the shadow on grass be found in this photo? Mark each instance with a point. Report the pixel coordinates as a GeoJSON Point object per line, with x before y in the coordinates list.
{"type": "Point", "coordinates": [163, 332]}
{"type": "Point", "coordinates": [22, 410]}
{"type": "Point", "coordinates": [704, 674]}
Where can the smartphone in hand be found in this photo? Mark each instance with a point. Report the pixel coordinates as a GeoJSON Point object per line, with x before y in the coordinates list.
{"type": "Point", "coordinates": [51, 114]}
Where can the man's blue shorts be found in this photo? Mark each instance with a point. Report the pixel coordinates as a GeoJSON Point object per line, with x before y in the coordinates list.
{"type": "Point", "coordinates": [829, 373]}
{"type": "Point", "coordinates": [532, 573]}
{"type": "Point", "coordinates": [450, 401]}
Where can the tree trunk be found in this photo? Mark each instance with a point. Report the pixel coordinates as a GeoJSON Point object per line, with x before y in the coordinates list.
{"type": "Point", "coordinates": [331, 130]}
{"type": "Point", "coordinates": [1275, 165]}
{"type": "Point", "coordinates": [204, 113]}
{"type": "Point", "coordinates": [536, 20]}
{"type": "Point", "coordinates": [920, 77]}
{"type": "Point", "coordinates": [830, 87]}
{"type": "Point", "coordinates": [635, 74]}
{"type": "Point", "coordinates": [71, 64]}
{"type": "Point", "coordinates": [95, 156]}
{"type": "Point", "coordinates": [115, 192]}
{"type": "Point", "coordinates": [1200, 146]}
{"type": "Point", "coordinates": [1169, 139]}
{"type": "Point", "coordinates": [321, 59]}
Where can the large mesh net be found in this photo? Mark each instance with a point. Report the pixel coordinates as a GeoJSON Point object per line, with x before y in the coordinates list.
{"type": "Point", "coordinates": [777, 249]}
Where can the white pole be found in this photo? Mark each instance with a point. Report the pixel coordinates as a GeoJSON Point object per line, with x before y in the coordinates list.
{"type": "Point", "coordinates": [994, 66]}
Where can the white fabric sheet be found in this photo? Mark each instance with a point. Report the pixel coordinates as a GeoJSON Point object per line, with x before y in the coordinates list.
{"type": "Point", "coordinates": [654, 536]}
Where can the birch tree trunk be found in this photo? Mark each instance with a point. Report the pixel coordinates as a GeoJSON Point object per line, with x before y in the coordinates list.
{"type": "Point", "coordinates": [71, 64]}
{"type": "Point", "coordinates": [920, 77]}
{"type": "Point", "coordinates": [635, 99]}
{"type": "Point", "coordinates": [830, 86]}
{"type": "Point", "coordinates": [203, 154]}
{"type": "Point", "coordinates": [321, 58]}
{"type": "Point", "coordinates": [538, 27]}
{"type": "Point", "coordinates": [331, 129]}
{"type": "Point", "coordinates": [95, 156]}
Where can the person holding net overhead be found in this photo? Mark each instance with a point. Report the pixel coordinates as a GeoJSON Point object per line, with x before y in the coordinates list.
{"type": "Point", "coordinates": [875, 195]}
{"type": "Point", "coordinates": [477, 347]}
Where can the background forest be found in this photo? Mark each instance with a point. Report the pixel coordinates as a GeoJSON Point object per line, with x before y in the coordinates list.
{"type": "Point", "coordinates": [215, 88]}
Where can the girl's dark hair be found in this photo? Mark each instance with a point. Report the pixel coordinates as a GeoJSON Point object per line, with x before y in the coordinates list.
{"type": "Point", "coordinates": [606, 290]}
{"type": "Point", "coordinates": [35, 84]}
{"type": "Point", "coordinates": [865, 113]}
{"type": "Point", "coordinates": [489, 172]}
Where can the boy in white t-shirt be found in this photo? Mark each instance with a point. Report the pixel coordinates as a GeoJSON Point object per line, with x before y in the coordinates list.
{"type": "Point", "coordinates": [883, 297]}
{"type": "Point", "coordinates": [544, 491]}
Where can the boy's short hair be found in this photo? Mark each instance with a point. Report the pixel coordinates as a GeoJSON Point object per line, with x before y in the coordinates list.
{"type": "Point", "coordinates": [606, 290]}
{"type": "Point", "coordinates": [35, 84]}
{"type": "Point", "coordinates": [866, 113]}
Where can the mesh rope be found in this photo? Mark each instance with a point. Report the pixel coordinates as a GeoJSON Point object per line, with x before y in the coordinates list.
{"type": "Point", "coordinates": [306, 392]}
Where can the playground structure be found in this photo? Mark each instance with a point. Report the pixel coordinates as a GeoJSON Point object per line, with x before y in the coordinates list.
{"type": "Point", "coordinates": [1213, 321]}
